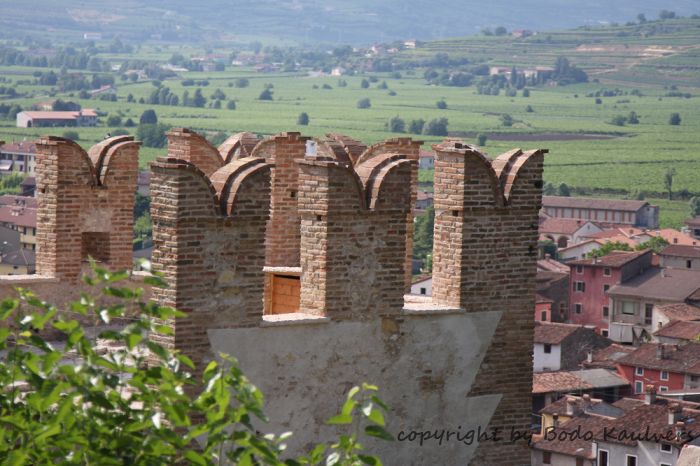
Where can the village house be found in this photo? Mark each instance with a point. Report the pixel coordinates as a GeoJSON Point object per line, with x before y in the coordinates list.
{"type": "Point", "coordinates": [563, 346]}
{"type": "Point", "coordinates": [31, 119]}
{"type": "Point", "coordinates": [662, 427]}
{"type": "Point", "coordinates": [19, 213]}
{"type": "Point", "coordinates": [548, 387]}
{"type": "Point", "coordinates": [682, 257]}
{"type": "Point", "coordinates": [543, 308]}
{"type": "Point", "coordinates": [693, 225]}
{"type": "Point", "coordinates": [18, 157]}
{"type": "Point", "coordinates": [591, 279]}
{"type": "Point", "coordinates": [607, 357]}
{"type": "Point", "coordinates": [612, 212]}
{"type": "Point", "coordinates": [580, 250]}
{"type": "Point", "coordinates": [553, 291]}
{"type": "Point", "coordinates": [426, 160]}
{"type": "Point", "coordinates": [632, 302]}
{"type": "Point", "coordinates": [667, 313]}
{"type": "Point", "coordinates": [663, 367]}
{"type": "Point", "coordinates": [678, 332]}
{"type": "Point", "coordinates": [565, 231]}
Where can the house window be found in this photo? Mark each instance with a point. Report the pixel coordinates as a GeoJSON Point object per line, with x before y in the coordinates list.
{"type": "Point", "coordinates": [578, 307]}
{"type": "Point", "coordinates": [694, 378]}
{"type": "Point", "coordinates": [638, 388]}
{"type": "Point", "coordinates": [664, 375]}
{"type": "Point", "coordinates": [638, 371]}
{"type": "Point", "coordinates": [648, 311]}
{"type": "Point", "coordinates": [579, 462]}
{"type": "Point", "coordinates": [606, 271]}
{"type": "Point", "coordinates": [631, 460]}
{"type": "Point", "coordinates": [663, 388]}
{"type": "Point", "coordinates": [562, 308]}
{"type": "Point", "coordinates": [546, 457]}
{"type": "Point", "coordinates": [688, 264]}
{"type": "Point", "coordinates": [628, 308]}
{"type": "Point", "coordinates": [543, 317]}
{"type": "Point", "coordinates": [603, 457]}
{"type": "Point", "coordinates": [604, 332]}
{"type": "Point", "coordinates": [579, 269]}
{"type": "Point", "coordinates": [547, 348]}
{"type": "Point", "coordinates": [580, 286]}
{"type": "Point", "coordinates": [423, 291]}
{"type": "Point", "coordinates": [606, 311]}
{"type": "Point", "coordinates": [606, 288]}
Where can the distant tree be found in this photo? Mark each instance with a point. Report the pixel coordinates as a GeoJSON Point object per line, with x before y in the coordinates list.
{"type": "Point", "coordinates": [216, 104]}
{"type": "Point", "coordinates": [153, 135]}
{"type": "Point", "coordinates": [549, 190]}
{"type": "Point", "coordinates": [641, 18]}
{"type": "Point", "coordinates": [241, 82]}
{"type": "Point", "coordinates": [114, 120]}
{"type": "Point", "coordinates": [119, 132]}
{"type": "Point", "coordinates": [364, 103]}
{"type": "Point", "coordinates": [549, 247]}
{"type": "Point", "coordinates": [231, 105]}
{"type": "Point", "coordinates": [72, 135]}
{"type": "Point", "coordinates": [441, 104]}
{"type": "Point", "coordinates": [148, 117]}
{"type": "Point", "coordinates": [436, 127]}
{"type": "Point", "coordinates": [416, 126]}
{"type": "Point", "coordinates": [198, 100]}
{"type": "Point", "coordinates": [481, 139]}
{"type": "Point", "coordinates": [326, 86]}
{"type": "Point", "coordinates": [266, 94]}
{"type": "Point", "coordinates": [130, 98]}
{"type": "Point", "coordinates": [666, 14]}
{"type": "Point", "coordinates": [218, 95]}
{"type": "Point", "coordinates": [396, 125]}
{"type": "Point", "coordinates": [500, 31]}
{"type": "Point", "coordinates": [529, 109]}
{"type": "Point", "coordinates": [303, 119]}
{"type": "Point", "coordinates": [129, 123]}
{"type": "Point", "coordinates": [598, 101]}
{"type": "Point", "coordinates": [423, 234]}
{"type": "Point", "coordinates": [668, 181]}
{"type": "Point", "coordinates": [506, 120]}
{"type": "Point", "coordinates": [633, 118]}
{"type": "Point", "coordinates": [383, 85]}
{"type": "Point", "coordinates": [674, 119]}
{"type": "Point", "coordinates": [564, 190]}
{"type": "Point", "coordinates": [695, 206]}
{"type": "Point", "coordinates": [618, 120]}
{"type": "Point", "coordinates": [364, 84]}
{"type": "Point", "coordinates": [526, 92]}
{"type": "Point", "coordinates": [609, 247]}
{"type": "Point", "coordinates": [487, 32]}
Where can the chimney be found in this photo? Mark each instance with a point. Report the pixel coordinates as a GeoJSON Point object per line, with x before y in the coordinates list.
{"type": "Point", "coordinates": [589, 356]}
{"type": "Point", "coordinates": [679, 429]}
{"type": "Point", "coordinates": [650, 395]}
{"type": "Point", "coordinates": [674, 413]}
{"type": "Point", "coordinates": [660, 351]}
{"type": "Point", "coordinates": [547, 256]}
{"type": "Point", "coordinates": [555, 420]}
{"type": "Point", "coordinates": [571, 406]}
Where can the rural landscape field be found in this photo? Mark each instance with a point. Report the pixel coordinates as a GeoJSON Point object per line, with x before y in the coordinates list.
{"type": "Point", "coordinates": [650, 69]}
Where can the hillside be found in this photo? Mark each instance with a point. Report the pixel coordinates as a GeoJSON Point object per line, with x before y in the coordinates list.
{"type": "Point", "coordinates": [357, 22]}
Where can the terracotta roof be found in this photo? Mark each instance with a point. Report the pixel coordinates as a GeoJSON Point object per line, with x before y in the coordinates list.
{"type": "Point", "coordinates": [582, 243]}
{"type": "Point", "coordinates": [574, 445]}
{"type": "Point", "coordinates": [678, 250]}
{"type": "Point", "coordinates": [683, 359]}
{"type": "Point", "coordinates": [661, 284]}
{"type": "Point", "coordinates": [614, 259]}
{"type": "Point", "coordinates": [551, 265]}
{"type": "Point", "coordinates": [565, 381]}
{"type": "Point", "coordinates": [680, 311]}
{"type": "Point", "coordinates": [424, 195]}
{"type": "Point", "coordinates": [694, 222]}
{"type": "Point", "coordinates": [542, 299]}
{"type": "Point", "coordinates": [12, 199]}
{"type": "Point", "coordinates": [592, 203]}
{"type": "Point", "coordinates": [607, 357]}
{"type": "Point", "coordinates": [561, 225]}
{"type": "Point", "coordinates": [23, 147]}
{"type": "Point", "coordinates": [680, 329]}
{"type": "Point", "coordinates": [22, 217]}
{"type": "Point", "coordinates": [552, 333]}
{"type": "Point", "coordinates": [673, 236]}
{"type": "Point", "coordinates": [615, 232]}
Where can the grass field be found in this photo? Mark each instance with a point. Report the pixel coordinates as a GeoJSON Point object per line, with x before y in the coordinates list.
{"type": "Point", "coordinates": [587, 152]}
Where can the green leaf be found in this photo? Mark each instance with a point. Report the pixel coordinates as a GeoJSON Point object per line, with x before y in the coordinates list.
{"type": "Point", "coordinates": [348, 406]}
{"type": "Point", "coordinates": [379, 402]}
{"type": "Point", "coordinates": [333, 459]}
{"type": "Point", "coordinates": [370, 460]}
{"type": "Point", "coordinates": [195, 457]}
{"type": "Point", "coordinates": [340, 419]}
{"type": "Point", "coordinates": [379, 432]}
{"type": "Point", "coordinates": [16, 458]}
{"type": "Point", "coordinates": [185, 360]}
{"type": "Point", "coordinates": [7, 307]}
{"type": "Point", "coordinates": [373, 414]}
{"type": "Point", "coordinates": [133, 339]}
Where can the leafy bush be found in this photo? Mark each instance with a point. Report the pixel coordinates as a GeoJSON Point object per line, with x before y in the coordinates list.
{"type": "Point", "coordinates": [436, 127]}
{"type": "Point", "coordinates": [416, 126]}
{"type": "Point", "coordinates": [396, 125]}
{"type": "Point", "coordinates": [506, 120]}
{"type": "Point", "coordinates": [231, 105]}
{"type": "Point", "coordinates": [481, 139]}
{"type": "Point", "coordinates": [675, 119]}
{"type": "Point", "coordinates": [364, 84]}
{"type": "Point", "coordinates": [148, 117]}
{"type": "Point", "coordinates": [364, 103]}
{"type": "Point", "coordinates": [153, 135]}
{"type": "Point", "coordinates": [441, 104]}
{"type": "Point", "coordinates": [618, 120]}
{"type": "Point", "coordinates": [303, 119]}
{"type": "Point", "coordinates": [136, 403]}
{"type": "Point", "coordinates": [114, 120]}
{"type": "Point", "coordinates": [72, 135]}
{"type": "Point", "coordinates": [241, 82]}
{"type": "Point", "coordinates": [266, 94]}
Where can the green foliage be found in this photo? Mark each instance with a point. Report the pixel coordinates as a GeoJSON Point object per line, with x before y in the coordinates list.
{"type": "Point", "coordinates": [153, 135]}
{"type": "Point", "coordinates": [148, 117]}
{"type": "Point", "coordinates": [10, 184]}
{"type": "Point", "coordinates": [364, 84]}
{"type": "Point", "coordinates": [694, 205]}
{"type": "Point", "coordinates": [549, 247]}
{"type": "Point", "coordinates": [481, 139]}
{"type": "Point", "coordinates": [396, 125]}
{"type": "Point", "coordinates": [618, 120]}
{"type": "Point", "coordinates": [609, 247]}
{"type": "Point", "coordinates": [674, 119]}
{"type": "Point", "coordinates": [657, 244]}
{"type": "Point", "coordinates": [564, 190]}
{"type": "Point", "coordinates": [364, 103]}
{"type": "Point", "coordinates": [441, 104]}
{"type": "Point", "coordinates": [198, 100]}
{"type": "Point", "coordinates": [71, 134]}
{"type": "Point", "coordinates": [241, 82]}
{"type": "Point", "coordinates": [506, 120]}
{"type": "Point", "coordinates": [416, 126]}
{"type": "Point", "coordinates": [633, 118]}
{"type": "Point", "coordinates": [139, 403]}
{"type": "Point", "coordinates": [668, 181]}
{"type": "Point", "coordinates": [423, 234]}
{"type": "Point", "coordinates": [266, 94]}
{"type": "Point", "coordinates": [436, 127]}
{"type": "Point", "coordinates": [231, 105]}
{"type": "Point", "coordinates": [114, 120]}
{"type": "Point", "coordinates": [303, 119]}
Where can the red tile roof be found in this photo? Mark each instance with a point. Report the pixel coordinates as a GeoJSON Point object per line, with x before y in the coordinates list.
{"type": "Point", "coordinates": [693, 222]}
{"type": "Point", "coordinates": [678, 250]}
{"type": "Point", "coordinates": [614, 259]}
{"type": "Point", "coordinates": [680, 329]}
{"type": "Point", "coordinates": [71, 115]}
{"type": "Point", "coordinates": [552, 333]}
{"type": "Point", "coordinates": [592, 203]}
{"type": "Point", "coordinates": [680, 311]}
{"type": "Point", "coordinates": [673, 236]}
{"type": "Point", "coordinates": [23, 147]}
{"type": "Point", "coordinates": [683, 359]}
{"type": "Point", "coordinates": [22, 217]}
{"type": "Point", "coordinates": [567, 226]}
{"type": "Point", "coordinates": [551, 265]}
{"type": "Point", "coordinates": [565, 381]}
{"type": "Point", "coordinates": [607, 357]}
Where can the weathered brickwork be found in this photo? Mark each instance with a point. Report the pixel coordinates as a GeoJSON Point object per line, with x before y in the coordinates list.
{"type": "Point", "coordinates": [484, 259]}
{"type": "Point", "coordinates": [86, 203]}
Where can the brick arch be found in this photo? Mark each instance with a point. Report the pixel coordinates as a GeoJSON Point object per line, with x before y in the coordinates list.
{"type": "Point", "coordinates": [352, 147]}
{"type": "Point", "coordinates": [227, 181]}
{"type": "Point", "coordinates": [238, 146]}
{"type": "Point", "coordinates": [332, 150]}
{"type": "Point", "coordinates": [264, 149]}
{"type": "Point", "coordinates": [187, 145]}
{"type": "Point", "coordinates": [387, 189]}
{"type": "Point", "coordinates": [205, 189]}
{"type": "Point", "coordinates": [98, 152]}
{"type": "Point", "coordinates": [526, 168]}
{"type": "Point", "coordinates": [81, 160]}
{"type": "Point", "coordinates": [119, 156]}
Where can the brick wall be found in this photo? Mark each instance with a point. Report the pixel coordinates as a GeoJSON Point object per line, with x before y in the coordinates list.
{"type": "Point", "coordinates": [85, 204]}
